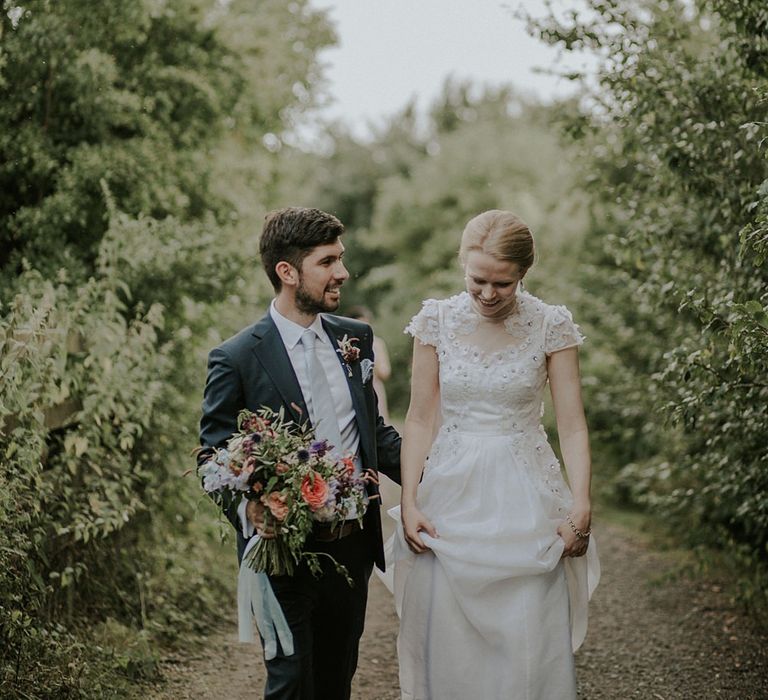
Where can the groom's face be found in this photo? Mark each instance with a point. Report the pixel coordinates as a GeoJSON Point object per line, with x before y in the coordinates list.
{"type": "Point", "coordinates": [320, 278]}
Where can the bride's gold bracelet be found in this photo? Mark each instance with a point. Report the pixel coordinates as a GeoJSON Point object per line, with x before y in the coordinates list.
{"type": "Point", "coordinates": [581, 535]}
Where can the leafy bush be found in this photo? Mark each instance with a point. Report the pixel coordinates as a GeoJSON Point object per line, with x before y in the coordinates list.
{"type": "Point", "coordinates": [675, 149]}
{"type": "Point", "coordinates": [128, 134]}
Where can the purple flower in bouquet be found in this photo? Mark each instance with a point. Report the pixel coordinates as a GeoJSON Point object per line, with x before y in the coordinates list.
{"type": "Point", "coordinates": [219, 475]}
{"type": "Point", "coordinates": [250, 441]}
{"type": "Point", "coordinates": [319, 448]}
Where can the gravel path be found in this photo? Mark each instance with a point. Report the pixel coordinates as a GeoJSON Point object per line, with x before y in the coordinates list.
{"type": "Point", "coordinates": [654, 634]}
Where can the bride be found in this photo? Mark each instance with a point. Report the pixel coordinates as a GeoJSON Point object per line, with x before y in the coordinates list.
{"type": "Point", "coordinates": [490, 574]}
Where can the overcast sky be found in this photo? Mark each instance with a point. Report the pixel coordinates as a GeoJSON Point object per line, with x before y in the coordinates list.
{"type": "Point", "coordinates": [392, 50]}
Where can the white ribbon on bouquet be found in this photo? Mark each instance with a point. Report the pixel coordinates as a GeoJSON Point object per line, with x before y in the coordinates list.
{"type": "Point", "coordinates": [256, 601]}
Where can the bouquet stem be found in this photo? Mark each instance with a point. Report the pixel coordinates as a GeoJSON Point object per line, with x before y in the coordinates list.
{"type": "Point", "coordinates": [273, 556]}
{"type": "Point", "coordinates": [276, 558]}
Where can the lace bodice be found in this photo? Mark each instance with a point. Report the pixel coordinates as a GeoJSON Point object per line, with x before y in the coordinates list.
{"type": "Point", "coordinates": [492, 380]}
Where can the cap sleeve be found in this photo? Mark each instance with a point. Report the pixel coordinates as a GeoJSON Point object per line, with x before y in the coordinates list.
{"type": "Point", "coordinates": [425, 325]}
{"type": "Point", "coordinates": [561, 331]}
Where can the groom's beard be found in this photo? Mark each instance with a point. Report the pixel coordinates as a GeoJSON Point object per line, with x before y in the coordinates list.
{"type": "Point", "coordinates": [309, 304]}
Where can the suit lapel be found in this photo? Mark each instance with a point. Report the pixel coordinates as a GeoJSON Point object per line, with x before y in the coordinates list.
{"type": "Point", "coordinates": [271, 353]}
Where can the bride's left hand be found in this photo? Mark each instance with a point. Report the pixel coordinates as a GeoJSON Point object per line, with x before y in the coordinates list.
{"type": "Point", "coordinates": [414, 522]}
{"type": "Point", "coordinates": [575, 546]}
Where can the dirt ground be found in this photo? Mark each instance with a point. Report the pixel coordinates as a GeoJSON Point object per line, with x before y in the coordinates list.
{"type": "Point", "coordinates": [654, 634]}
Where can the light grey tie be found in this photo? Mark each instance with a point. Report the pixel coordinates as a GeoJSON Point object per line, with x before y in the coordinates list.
{"type": "Point", "coordinates": [321, 406]}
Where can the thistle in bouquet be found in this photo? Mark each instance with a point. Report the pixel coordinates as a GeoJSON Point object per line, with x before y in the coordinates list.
{"type": "Point", "coordinates": [295, 478]}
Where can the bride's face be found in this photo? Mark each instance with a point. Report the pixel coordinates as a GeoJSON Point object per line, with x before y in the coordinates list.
{"type": "Point", "coordinates": [492, 284]}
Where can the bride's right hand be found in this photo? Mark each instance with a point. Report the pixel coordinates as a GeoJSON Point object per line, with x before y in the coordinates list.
{"type": "Point", "coordinates": [414, 521]}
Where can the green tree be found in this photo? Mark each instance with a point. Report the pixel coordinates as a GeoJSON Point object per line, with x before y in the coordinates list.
{"type": "Point", "coordinates": [491, 150]}
{"type": "Point", "coordinates": [136, 153]}
{"type": "Point", "coordinates": [345, 178]}
{"type": "Point", "coordinates": [675, 152]}
{"type": "Point", "coordinates": [406, 192]}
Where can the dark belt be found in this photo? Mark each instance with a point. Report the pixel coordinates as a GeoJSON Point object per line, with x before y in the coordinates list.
{"type": "Point", "coordinates": [326, 533]}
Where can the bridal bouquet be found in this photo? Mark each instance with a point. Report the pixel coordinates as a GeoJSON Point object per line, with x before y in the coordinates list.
{"type": "Point", "coordinates": [281, 465]}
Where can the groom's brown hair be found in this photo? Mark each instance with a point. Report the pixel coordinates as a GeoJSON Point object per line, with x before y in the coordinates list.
{"type": "Point", "coordinates": [290, 234]}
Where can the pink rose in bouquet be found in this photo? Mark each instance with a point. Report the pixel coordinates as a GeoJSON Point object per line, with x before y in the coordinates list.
{"type": "Point", "coordinates": [314, 490]}
{"type": "Point", "coordinates": [277, 504]}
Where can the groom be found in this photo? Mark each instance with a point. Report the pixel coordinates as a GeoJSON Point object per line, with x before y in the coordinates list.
{"type": "Point", "coordinates": [291, 359]}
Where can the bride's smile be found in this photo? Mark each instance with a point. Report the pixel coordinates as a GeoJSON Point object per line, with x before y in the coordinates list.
{"type": "Point", "coordinates": [492, 284]}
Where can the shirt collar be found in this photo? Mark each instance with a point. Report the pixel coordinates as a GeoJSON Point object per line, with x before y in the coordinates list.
{"type": "Point", "coordinates": [291, 332]}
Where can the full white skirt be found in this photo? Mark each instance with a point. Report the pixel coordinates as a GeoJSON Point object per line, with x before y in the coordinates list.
{"type": "Point", "coordinates": [492, 611]}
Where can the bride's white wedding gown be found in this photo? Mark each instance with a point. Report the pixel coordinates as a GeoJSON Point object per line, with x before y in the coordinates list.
{"type": "Point", "coordinates": [492, 612]}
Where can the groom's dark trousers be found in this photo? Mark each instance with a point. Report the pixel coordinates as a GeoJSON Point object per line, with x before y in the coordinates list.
{"type": "Point", "coordinates": [325, 614]}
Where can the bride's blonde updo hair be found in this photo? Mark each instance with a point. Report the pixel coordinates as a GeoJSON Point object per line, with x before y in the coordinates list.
{"type": "Point", "coordinates": [500, 234]}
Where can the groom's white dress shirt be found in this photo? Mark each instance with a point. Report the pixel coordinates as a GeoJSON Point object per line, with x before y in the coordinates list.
{"type": "Point", "coordinates": [290, 333]}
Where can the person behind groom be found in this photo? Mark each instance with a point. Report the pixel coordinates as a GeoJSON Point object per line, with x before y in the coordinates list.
{"type": "Point", "coordinates": [291, 360]}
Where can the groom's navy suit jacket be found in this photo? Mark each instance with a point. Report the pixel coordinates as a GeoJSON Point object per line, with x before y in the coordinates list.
{"type": "Point", "coordinates": [252, 369]}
